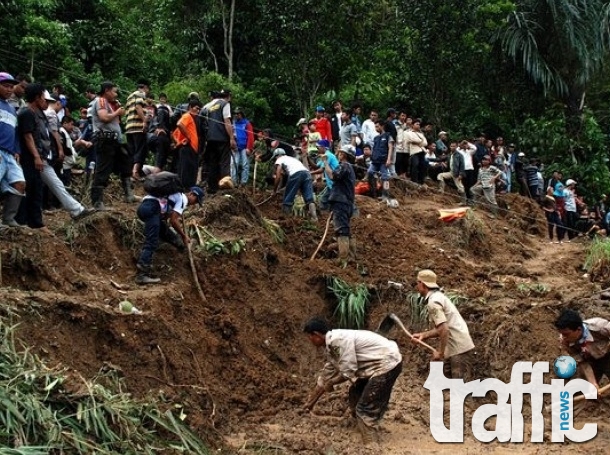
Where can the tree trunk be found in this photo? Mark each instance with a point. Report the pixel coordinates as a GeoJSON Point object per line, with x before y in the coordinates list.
{"type": "Point", "coordinates": [574, 104]}
{"type": "Point", "coordinates": [228, 36]}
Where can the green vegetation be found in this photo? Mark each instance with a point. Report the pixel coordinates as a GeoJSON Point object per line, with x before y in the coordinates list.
{"type": "Point", "coordinates": [38, 415]}
{"type": "Point", "coordinates": [351, 303]}
{"type": "Point", "coordinates": [535, 68]}
{"type": "Point", "coordinates": [598, 255]}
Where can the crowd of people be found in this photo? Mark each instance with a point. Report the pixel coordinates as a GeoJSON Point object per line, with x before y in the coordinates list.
{"type": "Point", "coordinates": [209, 144]}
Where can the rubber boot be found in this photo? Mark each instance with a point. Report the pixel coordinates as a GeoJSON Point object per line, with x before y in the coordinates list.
{"type": "Point", "coordinates": [385, 191]}
{"type": "Point", "coordinates": [343, 244]}
{"type": "Point", "coordinates": [368, 433]}
{"type": "Point", "coordinates": [352, 248]}
{"type": "Point", "coordinates": [128, 189]}
{"type": "Point", "coordinates": [11, 207]}
{"type": "Point", "coordinates": [312, 212]}
{"type": "Point", "coordinates": [97, 197]}
{"type": "Point", "coordinates": [372, 186]}
{"type": "Point", "coordinates": [143, 276]}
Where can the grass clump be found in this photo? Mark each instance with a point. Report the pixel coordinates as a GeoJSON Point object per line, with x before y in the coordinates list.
{"type": "Point", "coordinates": [38, 415]}
{"type": "Point", "coordinates": [419, 312]}
{"type": "Point", "coordinates": [351, 303]}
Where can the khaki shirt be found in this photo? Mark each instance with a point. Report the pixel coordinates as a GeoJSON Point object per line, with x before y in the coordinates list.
{"type": "Point", "coordinates": [355, 354]}
{"type": "Point", "coordinates": [441, 309]}
{"type": "Point", "coordinates": [596, 344]}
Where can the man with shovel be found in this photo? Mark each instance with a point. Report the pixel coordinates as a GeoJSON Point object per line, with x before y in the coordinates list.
{"type": "Point", "coordinates": [449, 327]}
{"type": "Point", "coordinates": [369, 361]}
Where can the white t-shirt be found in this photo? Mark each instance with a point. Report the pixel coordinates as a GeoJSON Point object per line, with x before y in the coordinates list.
{"type": "Point", "coordinates": [467, 154]}
{"type": "Point", "coordinates": [176, 202]}
{"type": "Point", "coordinates": [369, 132]}
{"type": "Point", "coordinates": [290, 165]}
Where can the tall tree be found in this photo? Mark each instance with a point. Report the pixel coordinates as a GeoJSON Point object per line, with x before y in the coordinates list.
{"type": "Point", "coordinates": [561, 44]}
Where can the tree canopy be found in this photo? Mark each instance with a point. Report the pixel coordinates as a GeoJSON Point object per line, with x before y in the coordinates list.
{"type": "Point", "coordinates": [466, 66]}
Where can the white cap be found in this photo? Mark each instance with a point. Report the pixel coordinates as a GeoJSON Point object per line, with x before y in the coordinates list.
{"type": "Point", "coordinates": [47, 96]}
{"type": "Point", "coordinates": [570, 182]}
{"type": "Point", "coordinates": [521, 154]}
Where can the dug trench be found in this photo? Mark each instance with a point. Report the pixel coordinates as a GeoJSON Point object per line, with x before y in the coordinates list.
{"type": "Point", "coordinates": [238, 362]}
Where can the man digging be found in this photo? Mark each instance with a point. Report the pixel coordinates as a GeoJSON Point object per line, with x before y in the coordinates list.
{"type": "Point", "coordinates": [449, 327]}
{"type": "Point", "coordinates": [369, 361]}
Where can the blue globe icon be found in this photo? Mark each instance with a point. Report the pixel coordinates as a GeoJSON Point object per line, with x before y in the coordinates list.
{"type": "Point", "coordinates": [564, 366]}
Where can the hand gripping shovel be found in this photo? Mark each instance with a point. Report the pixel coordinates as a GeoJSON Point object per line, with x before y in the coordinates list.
{"type": "Point", "coordinates": [390, 321]}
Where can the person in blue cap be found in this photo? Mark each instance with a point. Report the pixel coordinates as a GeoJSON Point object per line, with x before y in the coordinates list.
{"type": "Point", "coordinates": [154, 211]}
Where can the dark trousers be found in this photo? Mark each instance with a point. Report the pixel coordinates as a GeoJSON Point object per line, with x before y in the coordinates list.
{"type": "Point", "coordinates": [418, 167]}
{"type": "Point", "coordinates": [30, 209]}
{"type": "Point", "coordinates": [159, 145]}
{"type": "Point", "coordinates": [571, 219]}
{"type": "Point", "coordinates": [469, 181]}
{"type": "Point", "coordinates": [369, 397]}
{"type": "Point", "coordinates": [136, 144]}
{"type": "Point", "coordinates": [155, 229]}
{"type": "Point", "coordinates": [217, 162]}
{"type": "Point", "coordinates": [402, 163]}
{"type": "Point", "coordinates": [342, 214]}
{"type": "Point", "coordinates": [111, 158]}
{"type": "Point", "coordinates": [554, 221]}
{"type": "Point", "coordinates": [187, 166]}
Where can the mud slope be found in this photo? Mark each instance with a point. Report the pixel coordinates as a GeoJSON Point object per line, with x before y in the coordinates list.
{"type": "Point", "coordinates": [239, 361]}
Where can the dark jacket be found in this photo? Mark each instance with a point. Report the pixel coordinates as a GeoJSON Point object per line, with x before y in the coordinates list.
{"type": "Point", "coordinates": [457, 165]}
{"type": "Point", "coordinates": [344, 182]}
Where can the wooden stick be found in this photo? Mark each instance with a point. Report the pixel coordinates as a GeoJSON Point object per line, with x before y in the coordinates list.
{"type": "Point", "coordinates": [195, 277]}
{"type": "Point", "coordinates": [330, 217]}
{"type": "Point", "coordinates": [193, 268]}
{"type": "Point", "coordinates": [599, 392]}
{"type": "Point", "coordinates": [254, 176]}
{"type": "Point", "coordinates": [409, 334]}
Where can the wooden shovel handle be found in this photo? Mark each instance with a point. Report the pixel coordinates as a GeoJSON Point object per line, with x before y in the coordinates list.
{"type": "Point", "coordinates": [602, 390]}
{"type": "Point", "coordinates": [409, 334]}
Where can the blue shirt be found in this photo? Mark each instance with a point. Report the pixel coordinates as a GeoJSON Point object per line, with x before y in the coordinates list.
{"type": "Point", "coordinates": [333, 163]}
{"type": "Point", "coordinates": [8, 128]}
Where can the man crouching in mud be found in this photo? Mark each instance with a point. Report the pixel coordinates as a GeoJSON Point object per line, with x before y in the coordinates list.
{"type": "Point", "coordinates": [371, 362]}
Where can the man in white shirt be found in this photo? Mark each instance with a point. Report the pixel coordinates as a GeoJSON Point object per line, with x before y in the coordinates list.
{"type": "Point", "coordinates": [467, 150]}
{"type": "Point", "coordinates": [299, 179]}
{"type": "Point", "coordinates": [368, 128]}
{"type": "Point", "coordinates": [153, 211]}
{"type": "Point", "coordinates": [449, 327]}
{"type": "Point", "coordinates": [369, 361]}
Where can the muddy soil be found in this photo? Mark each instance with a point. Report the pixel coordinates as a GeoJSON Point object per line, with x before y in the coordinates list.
{"type": "Point", "coordinates": [239, 362]}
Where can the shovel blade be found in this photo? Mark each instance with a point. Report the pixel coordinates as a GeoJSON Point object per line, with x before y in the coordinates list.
{"type": "Point", "coordinates": [386, 325]}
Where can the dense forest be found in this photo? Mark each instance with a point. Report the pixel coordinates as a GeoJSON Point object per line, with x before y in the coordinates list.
{"type": "Point", "coordinates": [529, 70]}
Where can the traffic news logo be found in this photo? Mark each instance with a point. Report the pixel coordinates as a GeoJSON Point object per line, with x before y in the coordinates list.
{"type": "Point", "coordinates": [508, 410]}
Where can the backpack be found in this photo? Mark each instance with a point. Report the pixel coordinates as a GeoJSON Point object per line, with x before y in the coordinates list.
{"type": "Point", "coordinates": [163, 184]}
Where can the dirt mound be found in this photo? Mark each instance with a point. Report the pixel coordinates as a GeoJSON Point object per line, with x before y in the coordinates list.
{"type": "Point", "coordinates": [239, 362]}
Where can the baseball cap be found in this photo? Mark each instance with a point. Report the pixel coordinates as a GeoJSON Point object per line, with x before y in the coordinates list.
{"type": "Point", "coordinates": [278, 152]}
{"type": "Point", "coordinates": [193, 95]}
{"type": "Point", "coordinates": [48, 97]}
{"type": "Point", "coordinates": [320, 109]}
{"type": "Point", "coordinates": [428, 277]}
{"type": "Point", "coordinates": [6, 77]}
{"type": "Point", "coordinates": [521, 154]}
{"type": "Point", "coordinates": [323, 143]}
{"type": "Point", "coordinates": [302, 121]}
{"type": "Point", "coordinates": [199, 193]}
{"type": "Point", "coordinates": [570, 182]}
{"type": "Point", "coordinates": [442, 132]}
{"type": "Point", "coordinates": [224, 93]}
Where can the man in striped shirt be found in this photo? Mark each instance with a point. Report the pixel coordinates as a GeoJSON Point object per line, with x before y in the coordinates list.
{"type": "Point", "coordinates": [135, 128]}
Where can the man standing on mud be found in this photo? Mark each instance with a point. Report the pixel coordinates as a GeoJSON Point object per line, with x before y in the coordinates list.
{"type": "Point", "coordinates": [369, 361]}
{"type": "Point", "coordinates": [588, 342]}
{"type": "Point", "coordinates": [449, 327]}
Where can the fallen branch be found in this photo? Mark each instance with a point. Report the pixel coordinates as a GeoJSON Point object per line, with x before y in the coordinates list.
{"type": "Point", "coordinates": [195, 277]}
{"type": "Point", "coordinates": [599, 393]}
{"type": "Point", "coordinates": [330, 217]}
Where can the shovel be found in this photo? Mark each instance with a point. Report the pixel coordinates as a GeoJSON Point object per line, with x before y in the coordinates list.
{"type": "Point", "coordinates": [390, 321]}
